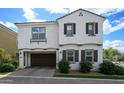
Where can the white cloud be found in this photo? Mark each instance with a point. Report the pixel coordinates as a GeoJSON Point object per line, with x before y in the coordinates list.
{"type": "Point", "coordinates": [101, 11]}
{"type": "Point", "coordinates": [57, 10]}
{"type": "Point", "coordinates": [9, 25]}
{"type": "Point", "coordinates": [118, 21]}
{"type": "Point", "coordinates": [117, 27]}
{"type": "Point", "coordinates": [105, 11]}
{"type": "Point", "coordinates": [113, 11]}
{"type": "Point", "coordinates": [31, 16]}
{"type": "Point", "coordinates": [108, 28]}
{"type": "Point", "coordinates": [116, 44]}
{"type": "Point", "coordinates": [60, 10]}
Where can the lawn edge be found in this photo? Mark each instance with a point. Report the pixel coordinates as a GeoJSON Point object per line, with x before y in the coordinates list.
{"type": "Point", "coordinates": [89, 76]}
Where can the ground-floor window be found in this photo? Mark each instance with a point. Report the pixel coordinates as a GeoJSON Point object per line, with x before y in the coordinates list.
{"type": "Point", "coordinates": [89, 55]}
{"type": "Point", "coordinates": [70, 55]}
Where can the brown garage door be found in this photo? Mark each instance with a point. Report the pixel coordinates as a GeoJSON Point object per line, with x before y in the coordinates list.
{"type": "Point", "coordinates": [43, 60]}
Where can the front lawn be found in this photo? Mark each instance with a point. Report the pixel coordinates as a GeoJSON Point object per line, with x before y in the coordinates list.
{"type": "Point", "coordinates": [96, 75]}
{"type": "Point", "coordinates": [3, 74]}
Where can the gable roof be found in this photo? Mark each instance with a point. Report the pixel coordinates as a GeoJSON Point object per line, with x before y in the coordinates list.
{"type": "Point", "coordinates": [79, 10]}
{"type": "Point", "coordinates": [3, 27]}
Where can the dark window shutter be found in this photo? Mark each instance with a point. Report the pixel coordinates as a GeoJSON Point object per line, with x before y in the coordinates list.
{"type": "Point", "coordinates": [87, 28]}
{"type": "Point", "coordinates": [64, 54]}
{"type": "Point", "coordinates": [74, 28]}
{"type": "Point", "coordinates": [76, 55]}
{"type": "Point", "coordinates": [65, 28]}
{"type": "Point", "coordinates": [82, 55]}
{"type": "Point", "coordinates": [95, 55]}
{"type": "Point", "coordinates": [96, 28]}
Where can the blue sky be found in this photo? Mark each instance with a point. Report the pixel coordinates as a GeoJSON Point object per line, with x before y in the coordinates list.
{"type": "Point", "coordinates": [113, 25]}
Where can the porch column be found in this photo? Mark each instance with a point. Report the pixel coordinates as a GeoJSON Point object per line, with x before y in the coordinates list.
{"type": "Point", "coordinates": [57, 58]}
{"type": "Point", "coordinates": [26, 59]}
{"type": "Point", "coordinates": [21, 59]}
{"type": "Point", "coordinates": [29, 59]}
{"type": "Point", "coordinates": [79, 58]}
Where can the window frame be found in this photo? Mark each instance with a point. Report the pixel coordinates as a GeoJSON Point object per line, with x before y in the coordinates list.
{"type": "Point", "coordinates": [72, 27]}
{"type": "Point", "coordinates": [72, 55]}
{"type": "Point", "coordinates": [91, 24]}
{"type": "Point", "coordinates": [67, 31]}
{"type": "Point", "coordinates": [93, 33]}
{"type": "Point", "coordinates": [86, 50]}
{"type": "Point", "coordinates": [38, 33]}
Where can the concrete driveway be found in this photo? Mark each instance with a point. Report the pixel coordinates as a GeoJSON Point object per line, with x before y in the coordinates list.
{"type": "Point", "coordinates": [34, 71]}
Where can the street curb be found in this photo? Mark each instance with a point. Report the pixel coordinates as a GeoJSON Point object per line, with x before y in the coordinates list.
{"type": "Point", "coordinates": [58, 78]}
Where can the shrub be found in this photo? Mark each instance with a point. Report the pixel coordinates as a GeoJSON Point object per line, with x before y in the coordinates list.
{"type": "Point", "coordinates": [7, 67]}
{"type": "Point", "coordinates": [110, 68]}
{"type": "Point", "coordinates": [15, 63]}
{"type": "Point", "coordinates": [63, 66]}
{"type": "Point", "coordinates": [119, 70]}
{"type": "Point", "coordinates": [6, 58]}
{"type": "Point", "coordinates": [85, 67]}
{"type": "Point", "coordinates": [107, 68]}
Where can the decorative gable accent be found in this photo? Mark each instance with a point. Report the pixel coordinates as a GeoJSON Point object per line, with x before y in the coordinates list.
{"type": "Point", "coordinates": [81, 14]}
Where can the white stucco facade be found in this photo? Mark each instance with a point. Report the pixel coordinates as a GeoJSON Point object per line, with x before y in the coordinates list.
{"type": "Point", "coordinates": [76, 65]}
{"type": "Point", "coordinates": [81, 37]}
{"type": "Point", "coordinates": [25, 35]}
{"type": "Point", "coordinates": [57, 41]}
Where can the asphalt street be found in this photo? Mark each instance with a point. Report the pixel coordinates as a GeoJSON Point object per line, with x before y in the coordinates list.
{"type": "Point", "coordinates": [55, 80]}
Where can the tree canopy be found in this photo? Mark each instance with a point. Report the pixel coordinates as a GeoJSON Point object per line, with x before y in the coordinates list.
{"type": "Point", "coordinates": [112, 54]}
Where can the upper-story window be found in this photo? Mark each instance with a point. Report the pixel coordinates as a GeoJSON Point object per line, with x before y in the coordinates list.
{"type": "Point", "coordinates": [69, 29]}
{"type": "Point", "coordinates": [91, 29]}
{"type": "Point", "coordinates": [38, 33]}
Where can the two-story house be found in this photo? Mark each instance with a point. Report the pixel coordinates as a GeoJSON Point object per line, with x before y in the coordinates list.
{"type": "Point", "coordinates": [77, 36]}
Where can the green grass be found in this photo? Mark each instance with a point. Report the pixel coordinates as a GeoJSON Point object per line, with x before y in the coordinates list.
{"type": "Point", "coordinates": [3, 73]}
{"type": "Point", "coordinates": [94, 75]}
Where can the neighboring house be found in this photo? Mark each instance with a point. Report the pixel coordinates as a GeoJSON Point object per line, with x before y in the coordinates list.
{"type": "Point", "coordinates": [77, 36]}
{"type": "Point", "coordinates": [8, 40]}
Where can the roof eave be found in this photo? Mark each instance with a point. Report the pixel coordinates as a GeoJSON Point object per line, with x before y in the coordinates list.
{"type": "Point", "coordinates": [26, 23]}
{"type": "Point", "coordinates": [7, 29]}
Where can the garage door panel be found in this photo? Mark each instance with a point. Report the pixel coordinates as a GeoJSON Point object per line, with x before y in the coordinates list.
{"type": "Point", "coordinates": [43, 60]}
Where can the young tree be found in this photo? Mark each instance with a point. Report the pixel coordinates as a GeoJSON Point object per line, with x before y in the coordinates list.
{"type": "Point", "coordinates": [112, 54]}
